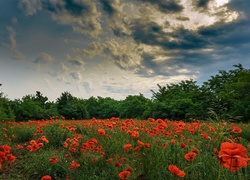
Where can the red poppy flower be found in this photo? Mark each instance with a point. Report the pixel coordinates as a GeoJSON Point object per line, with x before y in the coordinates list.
{"type": "Point", "coordinates": [175, 170]}
{"type": "Point", "coordinates": [53, 160]}
{"type": "Point", "coordinates": [46, 177]}
{"type": "Point", "coordinates": [101, 131]}
{"type": "Point", "coordinates": [127, 147]}
{"type": "Point", "coordinates": [190, 156]}
{"type": "Point", "coordinates": [233, 156]}
{"type": "Point", "coordinates": [118, 164]}
{"type": "Point", "coordinates": [109, 160]}
{"type": "Point", "coordinates": [74, 165]}
{"type": "Point", "coordinates": [124, 174]}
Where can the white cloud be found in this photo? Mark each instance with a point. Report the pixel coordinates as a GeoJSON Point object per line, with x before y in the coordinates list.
{"type": "Point", "coordinates": [44, 58]}
{"type": "Point", "coordinates": [12, 37]}
{"type": "Point", "coordinates": [30, 7]}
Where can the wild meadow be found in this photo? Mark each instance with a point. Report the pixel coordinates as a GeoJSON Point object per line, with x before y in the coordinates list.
{"type": "Point", "coordinates": [113, 148]}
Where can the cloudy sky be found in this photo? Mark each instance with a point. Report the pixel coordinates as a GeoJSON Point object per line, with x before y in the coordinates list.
{"type": "Point", "coordinates": [116, 48]}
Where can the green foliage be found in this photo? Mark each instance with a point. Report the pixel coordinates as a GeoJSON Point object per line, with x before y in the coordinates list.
{"type": "Point", "coordinates": [226, 94]}
{"type": "Point", "coordinates": [246, 133]}
{"type": "Point", "coordinates": [133, 106]}
{"type": "Point", "coordinates": [56, 135]}
{"type": "Point", "coordinates": [6, 112]}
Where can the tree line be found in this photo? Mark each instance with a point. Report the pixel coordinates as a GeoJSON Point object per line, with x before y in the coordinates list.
{"type": "Point", "coordinates": [225, 96]}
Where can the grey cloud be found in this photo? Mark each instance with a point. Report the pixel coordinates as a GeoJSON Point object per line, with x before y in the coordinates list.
{"type": "Point", "coordinates": [87, 87]}
{"type": "Point", "coordinates": [182, 18]}
{"type": "Point", "coordinates": [166, 6]}
{"type": "Point", "coordinates": [108, 6]}
{"type": "Point", "coordinates": [30, 7]}
{"type": "Point", "coordinates": [152, 34]}
{"type": "Point", "coordinates": [76, 76]}
{"type": "Point", "coordinates": [12, 37]}
{"type": "Point", "coordinates": [14, 20]}
{"type": "Point", "coordinates": [201, 3]}
{"type": "Point", "coordinates": [75, 8]}
{"type": "Point", "coordinates": [44, 58]}
{"type": "Point", "coordinates": [77, 62]}
{"type": "Point", "coordinates": [120, 90]}
{"type": "Point", "coordinates": [117, 20]}
{"type": "Point", "coordinates": [230, 34]}
{"type": "Point", "coordinates": [82, 15]}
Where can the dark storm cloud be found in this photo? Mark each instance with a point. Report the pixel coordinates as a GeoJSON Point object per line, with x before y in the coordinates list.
{"type": "Point", "coordinates": [201, 3]}
{"type": "Point", "coordinates": [82, 16]}
{"type": "Point", "coordinates": [71, 6]}
{"type": "Point", "coordinates": [171, 66]}
{"type": "Point", "coordinates": [108, 7]}
{"type": "Point", "coordinates": [166, 6]}
{"type": "Point", "coordinates": [231, 34]}
{"type": "Point", "coordinates": [182, 18]}
{"type": "Point", "coordinates": [240, 5]}
{"type": "Point", "coordinates": [149, 67]}
{"type": "Point", "coordinates": [180, 38]}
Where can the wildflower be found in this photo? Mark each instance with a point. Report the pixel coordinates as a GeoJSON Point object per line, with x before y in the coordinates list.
{"type": "Point", "coordinates": [140, 143]}
{"type": "Point", "coordinates": [175, 170]}
{"type": "Point", "coordinates": [195, 150]}
{"type": "Point", "coordinates": [46, 177]}
{"type": "Point", "coordinates": [72, 149]}
{"type": "Point", "coordinates": [127, 147]}
{"type": "Point", "coordinates": [53, 160]}
{"type": "Point", "coordinates": [19, 146]}
{"type": "Point", "coordinates": [147, 145]}
{"type": "Point", "coordinates": [124, 159]}
{"type": "Point", "coordinates": [124, 174]}
{"type": "Point", "coordinates": [101, 131]}
{"type": "Point", "coordinates": [109, 160]}
{"type": "Point", "coordinates": [118, 164]}
{"type": "Point", "coordinates": [184, 146]}
{"type": "Point", "coordinates": [6, 148]}
{"type": "Point", "coordinates": [32, 141]}
{"type": "Point", "coordinates": [164, 145]}
{"type": "Point", "coordinates": [128, 168]}
{"type": "Point", "coordinates": [233, 156]}
{"type": "Point", "coordinates": [74, 164]}
{"type": "Point", "coordinates": [65, 145]}
{"type": "Point", "coordinates": [11, 157]}
{"type": "Point", "coordinates": [236, 130]}
{"type": "Point", "coordinates": [74, 144]}
{"type": "Point", "coordinates": [137, 148]}
{"type": "Point", "coordinates": [190, 156]}
{"type": "Point", "coordinates": [172, 141]}
{"type": "Point", "coordinates": [102, 154]}
{"type": "Point", "coordinates": [67, 156]}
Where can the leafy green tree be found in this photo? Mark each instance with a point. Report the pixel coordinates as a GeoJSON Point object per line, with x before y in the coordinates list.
{"type": "Point", "coordinates": [6, 112]}
{"type": "Point", "coordinates": [28, 109]}
{"type": "Point", "coordinates": [67, 105]}
{"type": "Point", "coordinates": [133, 106]}
{"type": "Point", "coordinates": [92, 107]}
{"type": "Point", "coordinates": [230, 93]}
{"type": "Point", "coordinates": [107, 107]}
{"type": "Point", "coordinates": [179, 100]}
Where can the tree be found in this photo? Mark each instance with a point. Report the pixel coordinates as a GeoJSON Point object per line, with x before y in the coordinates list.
{"type": "Point", "coordinates": [133, 106]}
{"type": "Point", "coordinates": [179, 100]}
{"type": "Point", "coordinates": [107, 107]}
{"type": "Point", "coordinates": [67, 105]}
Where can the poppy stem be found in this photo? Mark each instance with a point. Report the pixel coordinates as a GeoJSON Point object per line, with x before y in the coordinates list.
{"type": "Point", "coordinates": [218, 178]}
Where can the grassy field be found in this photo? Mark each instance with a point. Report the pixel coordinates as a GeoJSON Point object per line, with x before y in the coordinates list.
{"type": "Point", "coordinates": [124, 149]}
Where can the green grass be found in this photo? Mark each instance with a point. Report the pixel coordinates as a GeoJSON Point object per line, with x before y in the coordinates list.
{"type": "Point", "coordinates": [147, 163]}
